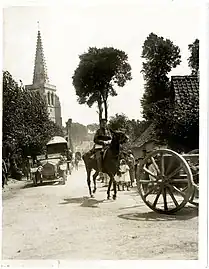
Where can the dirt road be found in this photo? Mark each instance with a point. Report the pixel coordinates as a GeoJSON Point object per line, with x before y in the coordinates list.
{"type": "Point", "coordinates": [61, 222]}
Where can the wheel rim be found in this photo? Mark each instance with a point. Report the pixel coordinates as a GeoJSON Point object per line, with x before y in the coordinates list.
{"type": "Point", "coordinates": [165, 181]}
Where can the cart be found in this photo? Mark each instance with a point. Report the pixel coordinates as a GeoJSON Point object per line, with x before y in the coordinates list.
{"type": "Point", "coordinates": [167, 181]}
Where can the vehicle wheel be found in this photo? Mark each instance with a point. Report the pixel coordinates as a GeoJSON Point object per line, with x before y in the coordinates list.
{"type": "Point", "coordinates": [165, 181]}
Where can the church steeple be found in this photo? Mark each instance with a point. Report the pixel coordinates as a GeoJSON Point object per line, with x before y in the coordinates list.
{"type": "Point", "coordinates": [40, 71]}
{"type": "Point", "coordinates": [42, 85]}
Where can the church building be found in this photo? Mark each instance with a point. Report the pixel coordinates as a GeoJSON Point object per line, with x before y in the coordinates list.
{"type": "Point", "coordinates": [41, 84]}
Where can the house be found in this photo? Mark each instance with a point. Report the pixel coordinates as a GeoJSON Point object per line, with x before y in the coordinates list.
{"type": "Point", "coordinates": [147, 142]}
{"type": "Point", "coordinates": [184, 92]}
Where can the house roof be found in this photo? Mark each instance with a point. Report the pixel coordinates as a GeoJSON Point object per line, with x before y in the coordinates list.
{"type": "Point", "coordinates": [147, 135]}
{"type": "Point", "coordinates": [186, 89]}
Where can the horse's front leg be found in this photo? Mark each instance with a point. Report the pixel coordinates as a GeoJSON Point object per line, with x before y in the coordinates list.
{"type": "Point", "coordinates": [89, 183]}
{"type": "Point", "coordinates": [115, 189]}
{"type": "Point", "coordinates": [109, 186]}
{"type": "Point", "coordinates": [94, 180]}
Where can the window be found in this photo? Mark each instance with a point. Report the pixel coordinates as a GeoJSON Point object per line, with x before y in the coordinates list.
{"type": "Point", "coordinates": [49, 98]}
{"type": "Point", "coordinates": [52, 98]}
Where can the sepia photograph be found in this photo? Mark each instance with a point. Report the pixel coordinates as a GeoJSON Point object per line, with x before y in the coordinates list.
{"type": "Point", "coordinates": [100, 131]}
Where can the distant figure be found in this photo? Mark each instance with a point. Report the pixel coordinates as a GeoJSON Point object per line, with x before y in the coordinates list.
{"type": "Point", "coordinates": [77, 159]}
{"type": "Point", "coordinates": [123, 178]}
{"type": "Point", "coordinates": [69, 155]}
{"type": "Point", "coordinates": [16, 173]}
{"type": "Point", "coordinates": [131, 164]}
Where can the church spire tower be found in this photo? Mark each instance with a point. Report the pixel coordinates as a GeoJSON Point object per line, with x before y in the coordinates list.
{"type": "Point", "coordinates": [40, 71]}
{"type": "Point", "coordinates": [41, 84]}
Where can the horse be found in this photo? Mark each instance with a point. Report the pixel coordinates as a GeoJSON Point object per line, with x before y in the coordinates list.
{"type": "Point", "coordinates": [110, 162]}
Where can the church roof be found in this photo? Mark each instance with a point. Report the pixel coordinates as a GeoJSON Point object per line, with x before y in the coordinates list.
{"type": "Point", "coordinates": [40, 71]}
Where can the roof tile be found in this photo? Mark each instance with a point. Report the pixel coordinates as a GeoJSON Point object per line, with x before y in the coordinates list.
{"type": "Point", "coordinates": [186, 89]}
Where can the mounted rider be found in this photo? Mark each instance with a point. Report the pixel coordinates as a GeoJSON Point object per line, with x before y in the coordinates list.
{"type": "Point", "coordinates": [102, 138]}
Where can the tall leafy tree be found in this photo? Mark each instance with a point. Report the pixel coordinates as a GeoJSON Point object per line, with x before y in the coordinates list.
{"type": "Point", "coordinates": [193, 60]}
{"type": "Point", "coordinates": [160, 56]}
{"type": "Point", "coordinates": [98, 72]}
{"type": "Point", "coordinates": [26, 126]}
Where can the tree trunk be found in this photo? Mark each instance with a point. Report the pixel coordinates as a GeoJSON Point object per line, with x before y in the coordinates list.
{"type": "Point", "coordinates": [104, 98]}
{"type": "Point", "coordinates": [100, 109]}
{"type": "Point", "coordinates": [105, 107]}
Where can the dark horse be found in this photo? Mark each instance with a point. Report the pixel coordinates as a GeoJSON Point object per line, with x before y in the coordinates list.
{"type": "Point", "coordinates": [110, 162]}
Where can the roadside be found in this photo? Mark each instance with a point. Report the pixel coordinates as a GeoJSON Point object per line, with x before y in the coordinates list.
{"type": "Point", "coordinates": [13, 187]}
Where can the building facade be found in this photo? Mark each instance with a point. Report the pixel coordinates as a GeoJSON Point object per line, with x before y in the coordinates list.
{"type": "Point", "coordinates": [41, 84]}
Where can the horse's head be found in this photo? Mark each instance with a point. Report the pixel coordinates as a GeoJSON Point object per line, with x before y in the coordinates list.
{"type": "Point", "coordinates": [119, 136]}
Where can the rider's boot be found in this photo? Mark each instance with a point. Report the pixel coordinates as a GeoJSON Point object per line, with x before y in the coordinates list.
{"type": "Point", "coordinates": [99, 165]}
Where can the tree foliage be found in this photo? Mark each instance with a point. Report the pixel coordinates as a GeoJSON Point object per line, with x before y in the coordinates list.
{"type": "Point", "coordinates": [99, 70]}
{"type": "Point", "coordinates": [193, 60]}
{"type": "Point", "coordinates": [79, 132]}
{"type": "Point", "coordinates": [178, 125]}
{"type": "Point", "coordinates": [93, 127]}
{"type": "Point", "coordinates": [160, 55]}
{"type": "Point", "coordinates": [133, 128]}
{"type": "Point", "coordinates": [26, 126]}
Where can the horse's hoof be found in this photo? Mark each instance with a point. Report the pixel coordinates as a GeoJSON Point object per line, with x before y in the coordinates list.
{"type": "Point", "coordinates": [108, 197]}
{"type": "Point", "coordinates": [114, 197]}
{"type": "Point", "coordinates": [92, 196]}
{"type": "Point", "coordinates": [94, 190]}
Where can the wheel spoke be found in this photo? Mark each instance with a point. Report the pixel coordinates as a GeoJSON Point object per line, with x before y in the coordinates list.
{"type": "Point", "coordinates": [173, 197]}
{"type": "Point", "coordinates": [164, 198]}
{"type": "Point", "coordinates": [157, 197]}
{"type": "Point", "coordinates": [174, 172]}
{"type": "Point", "coordinates": [149, 172]}
{"type": "Point", "coordinates": [148, 182]}
{"type": "Point", "coordinates": [178, 191]}
{"type": "Point", "coordinates": [150, 191]}
{"type": "Point", "coordinates": [155, 165]}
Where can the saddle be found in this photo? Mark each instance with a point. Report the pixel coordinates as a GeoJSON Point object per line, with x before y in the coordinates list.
{"type": "Point", "coordinates": [102, 152]}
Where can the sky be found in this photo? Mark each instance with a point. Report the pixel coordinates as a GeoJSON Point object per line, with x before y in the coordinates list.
{"type": "Point", "coordinates": [68, 31]}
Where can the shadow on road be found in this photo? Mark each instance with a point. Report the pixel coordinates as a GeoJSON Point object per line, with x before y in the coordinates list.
{"type": "Point", "coordinates": [31, 184]}
{"type": "Point", "coordinates": [133, 206]}
{"type": "Point", "coordinates": [183, 214]}
{"type": "Point", "coordinates": [83, 201]}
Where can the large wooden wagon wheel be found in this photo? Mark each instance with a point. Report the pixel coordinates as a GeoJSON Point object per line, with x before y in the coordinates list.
{"type": "Point", "coordinates": [164, 181]}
